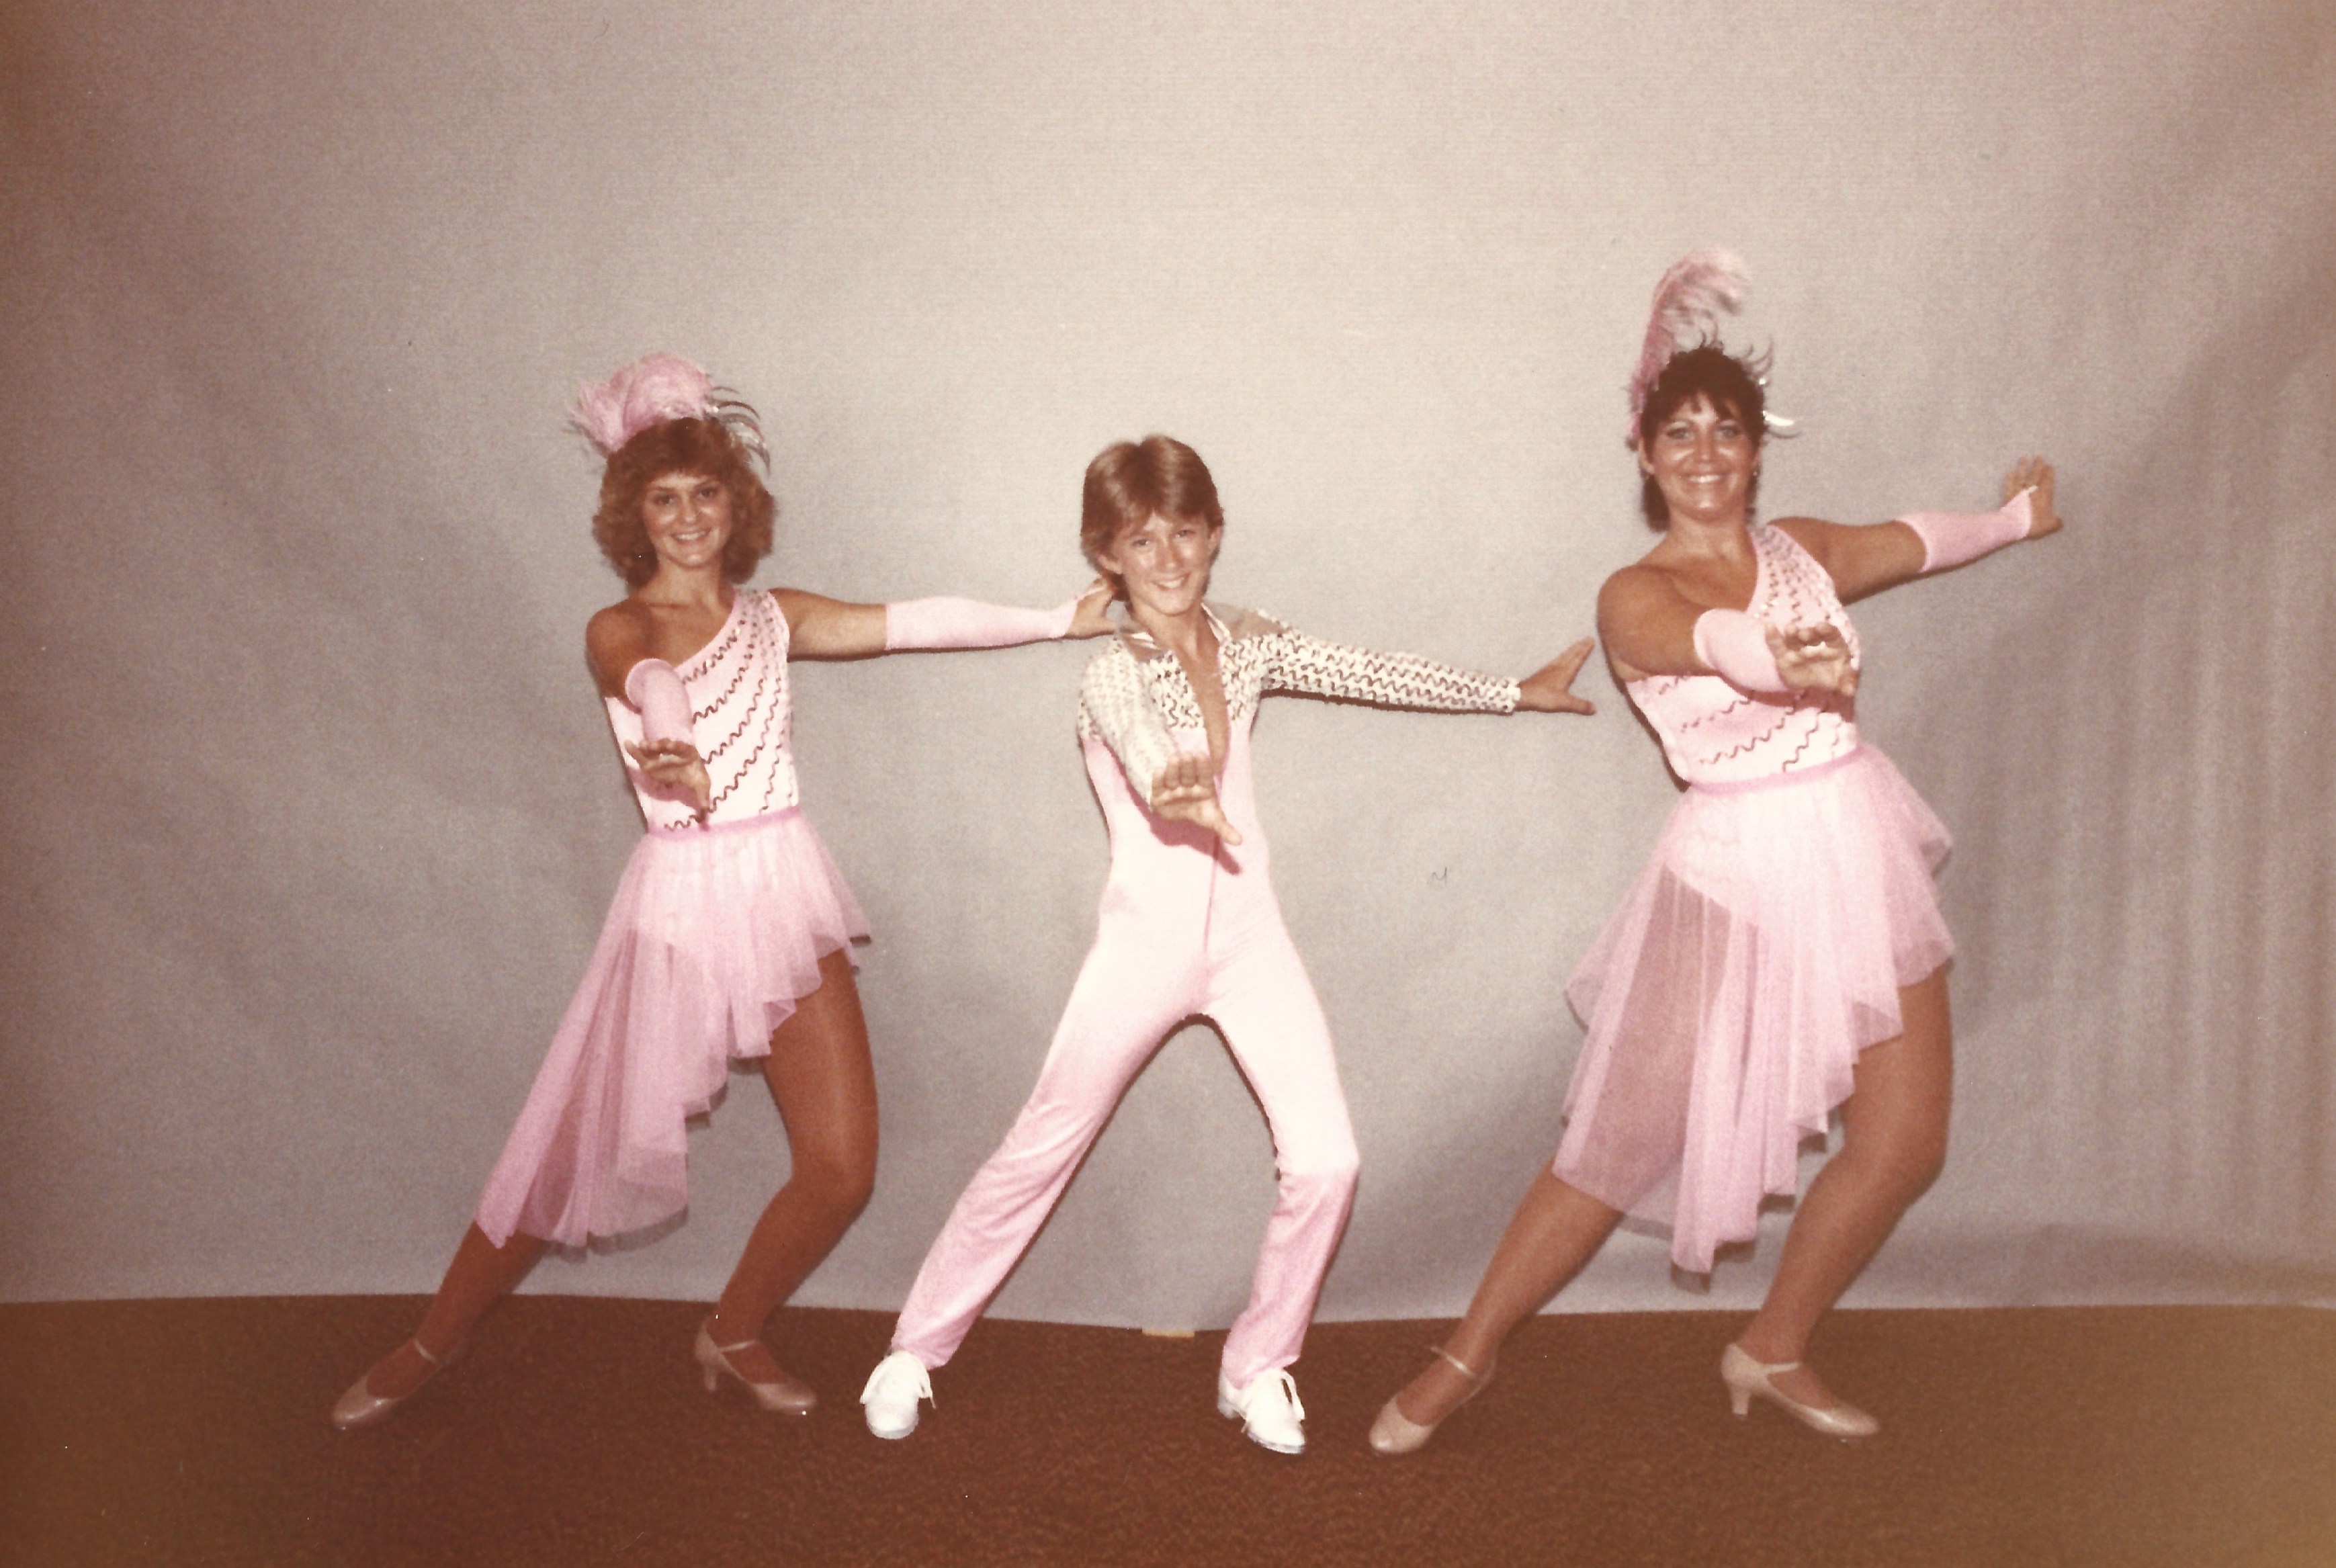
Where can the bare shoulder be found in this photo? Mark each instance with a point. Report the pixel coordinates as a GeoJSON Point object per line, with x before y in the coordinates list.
{"type": "Point", "coordinates": [1645, 618]}
{"type": "Point", "coordinates": [1640, 589]}
{"type": "Point", "coordinates": [614, 640]}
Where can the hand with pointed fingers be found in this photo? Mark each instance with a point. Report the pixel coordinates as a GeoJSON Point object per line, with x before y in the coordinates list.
{"type": "Point", "coordinates": [676, 764]}
{"type": "Point", "coordinates": [1186, 790]}
{"type": "Point", "coordinates": [2034, 474]}
{"type": "Point", "coordinates": [1813, 658]}
{"type": "Point", "coordinates": [1550, 689]}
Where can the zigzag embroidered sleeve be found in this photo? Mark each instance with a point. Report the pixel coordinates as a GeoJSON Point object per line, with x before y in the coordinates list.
{"type": "Point", "coordinates": [1116, 706]}
{"type": "Point", "coordinates": [1307, 663]}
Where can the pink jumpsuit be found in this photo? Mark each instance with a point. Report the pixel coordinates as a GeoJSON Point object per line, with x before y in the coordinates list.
{"type": "Point", "coordinates": [1187, 926]}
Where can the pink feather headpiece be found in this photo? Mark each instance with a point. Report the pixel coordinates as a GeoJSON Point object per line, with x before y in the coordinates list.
{"type": "Point", "coordinates": [653, 389]}
{"type": "Point", "coordinates": [1687, 303]}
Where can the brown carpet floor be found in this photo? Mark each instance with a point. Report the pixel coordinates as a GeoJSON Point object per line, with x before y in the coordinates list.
{"type": "Point", "coordinates": [194, 1432]}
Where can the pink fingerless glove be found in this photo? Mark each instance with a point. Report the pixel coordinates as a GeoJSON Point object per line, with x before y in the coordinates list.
{"type": "Point", "coordinates": [1736, 646]}
{"type": "Point", "coordinates": [931, 623]}
{"type": "Point", "coordinates": [653, 687]}
{"type": "Point", "coordinates": [1951, 537]}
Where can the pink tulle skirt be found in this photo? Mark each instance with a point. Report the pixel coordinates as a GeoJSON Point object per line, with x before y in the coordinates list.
{"type": "Point", "coordinates": [1759, 951]}
{"type": "Point", "coordinates": [713, 935]}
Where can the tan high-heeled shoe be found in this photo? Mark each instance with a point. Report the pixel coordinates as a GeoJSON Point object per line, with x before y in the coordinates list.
{"type": "Point", "coordinates": [1395, 1433]}
{"type": "Point", "coordinates": [1747, 1379]}
{"type": "Point", "coordinates": [361, 1406]}
{"type": "Point", "coordinates": [787, 1397]}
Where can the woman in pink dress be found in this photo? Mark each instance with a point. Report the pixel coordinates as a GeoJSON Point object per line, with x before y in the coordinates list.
{"type": "Point", "coordinates": [1781, 957]}
{"type": "Point", "coordinates": [729, 935]}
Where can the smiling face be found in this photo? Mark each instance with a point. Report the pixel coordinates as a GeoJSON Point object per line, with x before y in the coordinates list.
{"type": "Point", "coordinates": [1703, 460]}
{"type": "Point", "coordinates": [687, 518]}
{"type": "Point", "coordinates": [1163, 563]}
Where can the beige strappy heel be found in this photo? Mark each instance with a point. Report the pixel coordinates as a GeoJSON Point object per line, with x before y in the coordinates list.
{"type": "Point", "coordinates": [1747, 1379]}
{"type": "Point", "coordinates": [1395, 1433]}
{"type": "Point", "coordinates": [787, 1397]}
{"type": "Point", "coordinates": [361, 1406]}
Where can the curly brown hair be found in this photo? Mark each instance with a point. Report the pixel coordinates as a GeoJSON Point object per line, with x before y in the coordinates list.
{"type": "Point", "coordinates": [700, 446]}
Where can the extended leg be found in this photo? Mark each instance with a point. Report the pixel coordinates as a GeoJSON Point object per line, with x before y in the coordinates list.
{"type": "Point", "coordinates": [822, 1079]}
{"type": "Point", "coordinates": [1894, 1144]}
{"type": "Point", "coordinates": [480, 1275]}
{"type": "Point", "coordinates": [1126, 996]}
{"type": "Point", "coordinates": [1555, 1231]}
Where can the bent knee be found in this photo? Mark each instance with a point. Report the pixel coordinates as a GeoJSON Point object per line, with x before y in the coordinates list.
{"type": "Point", "coordinates": [842, 1181]}
{"type": "Point", "coordinates": [1925, 1169]}
{"type": "Point", "coordinates": [1909, 1169]}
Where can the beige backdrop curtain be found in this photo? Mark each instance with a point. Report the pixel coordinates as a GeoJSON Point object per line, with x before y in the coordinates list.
{"type": "Point", "coordinates": [312, 815]}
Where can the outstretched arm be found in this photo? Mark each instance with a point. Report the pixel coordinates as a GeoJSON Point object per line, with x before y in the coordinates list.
{"type": "Point", "coordinates": [1319, 668]}
{"type": "Point", "coordinates": [822, 628]}
{"type": "Point", "coordinates": [1865, 560]}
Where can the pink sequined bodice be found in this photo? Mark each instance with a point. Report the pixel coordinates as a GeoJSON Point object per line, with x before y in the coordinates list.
{"type": "Point", "coordinates": [1715, 733]}
{"type": "Point", "coordinates": [741, 713]}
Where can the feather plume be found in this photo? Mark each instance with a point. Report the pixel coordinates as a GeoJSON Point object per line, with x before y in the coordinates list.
{"type": "Point", "coordinates": [649, 391]}
{"type": "Point", "coordinates": [737, 416]}
{"type": "Point", "coordinates": [1687, 303]}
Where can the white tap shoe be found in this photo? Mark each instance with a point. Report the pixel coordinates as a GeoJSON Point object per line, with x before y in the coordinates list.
{"type": "Point", "coordinates": [894, 1387]}
{"type": "Point", "coordinates": [1267, 1410]}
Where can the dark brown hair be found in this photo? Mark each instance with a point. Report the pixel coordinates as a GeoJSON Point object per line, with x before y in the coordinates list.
{"type": "Point", "coordinates": [1731, 386]}
{"type": "Point", "coordinates": [699, 446]}
{"type": "Point", "coordinates": [1132, 481]}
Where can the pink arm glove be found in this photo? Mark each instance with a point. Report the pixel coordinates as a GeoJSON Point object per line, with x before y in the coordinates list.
{"type": "Point", "coordinates": [1951, 537]}
{"type": "Point", "coordinates": [969, 623]}
{"type": "Point", "coordinates": [1736, 646]}
{"type": "Point", "coordinates": [653, 687]}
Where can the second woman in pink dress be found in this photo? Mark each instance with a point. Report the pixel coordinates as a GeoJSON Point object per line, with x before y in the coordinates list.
{"type": "Point", "coordinates": [1782, 956]}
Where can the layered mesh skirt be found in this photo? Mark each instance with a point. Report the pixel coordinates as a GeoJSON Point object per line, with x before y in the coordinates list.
{"type": "Point", "coordinates": [713, 935]}
{"type": "Point", "coordinates": [1758, 952]}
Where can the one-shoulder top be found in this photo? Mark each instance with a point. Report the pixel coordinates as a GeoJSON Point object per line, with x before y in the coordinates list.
{"type": "Point", "coordinates": [742, 714]}
{"type": "Point", "coordinates": [1714, 732]}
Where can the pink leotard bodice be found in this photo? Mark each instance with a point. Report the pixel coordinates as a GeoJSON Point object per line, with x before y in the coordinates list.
{"type": "Point", "coordinates": [1716, 733]}
{"type": "Point", "coordinates": [742, 714]}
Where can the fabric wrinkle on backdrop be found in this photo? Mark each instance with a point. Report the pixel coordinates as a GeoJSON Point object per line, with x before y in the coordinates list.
{"type": "Point", "coordinates": [316, 817]}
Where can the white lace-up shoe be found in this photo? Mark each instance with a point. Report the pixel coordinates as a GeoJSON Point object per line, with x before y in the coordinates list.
{"type": "Point", "coordinates": [899, 1382]}
{"type": "Point", "coordinates": [1267, 1410]}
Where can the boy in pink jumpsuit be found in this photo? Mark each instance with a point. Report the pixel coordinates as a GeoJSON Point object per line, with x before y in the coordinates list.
{"type": "Point", "coordinates": [1189, 926]}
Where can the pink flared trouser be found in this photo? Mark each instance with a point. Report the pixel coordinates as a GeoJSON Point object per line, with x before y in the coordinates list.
{"type": "Point", "coordinates": [1223, 954]}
